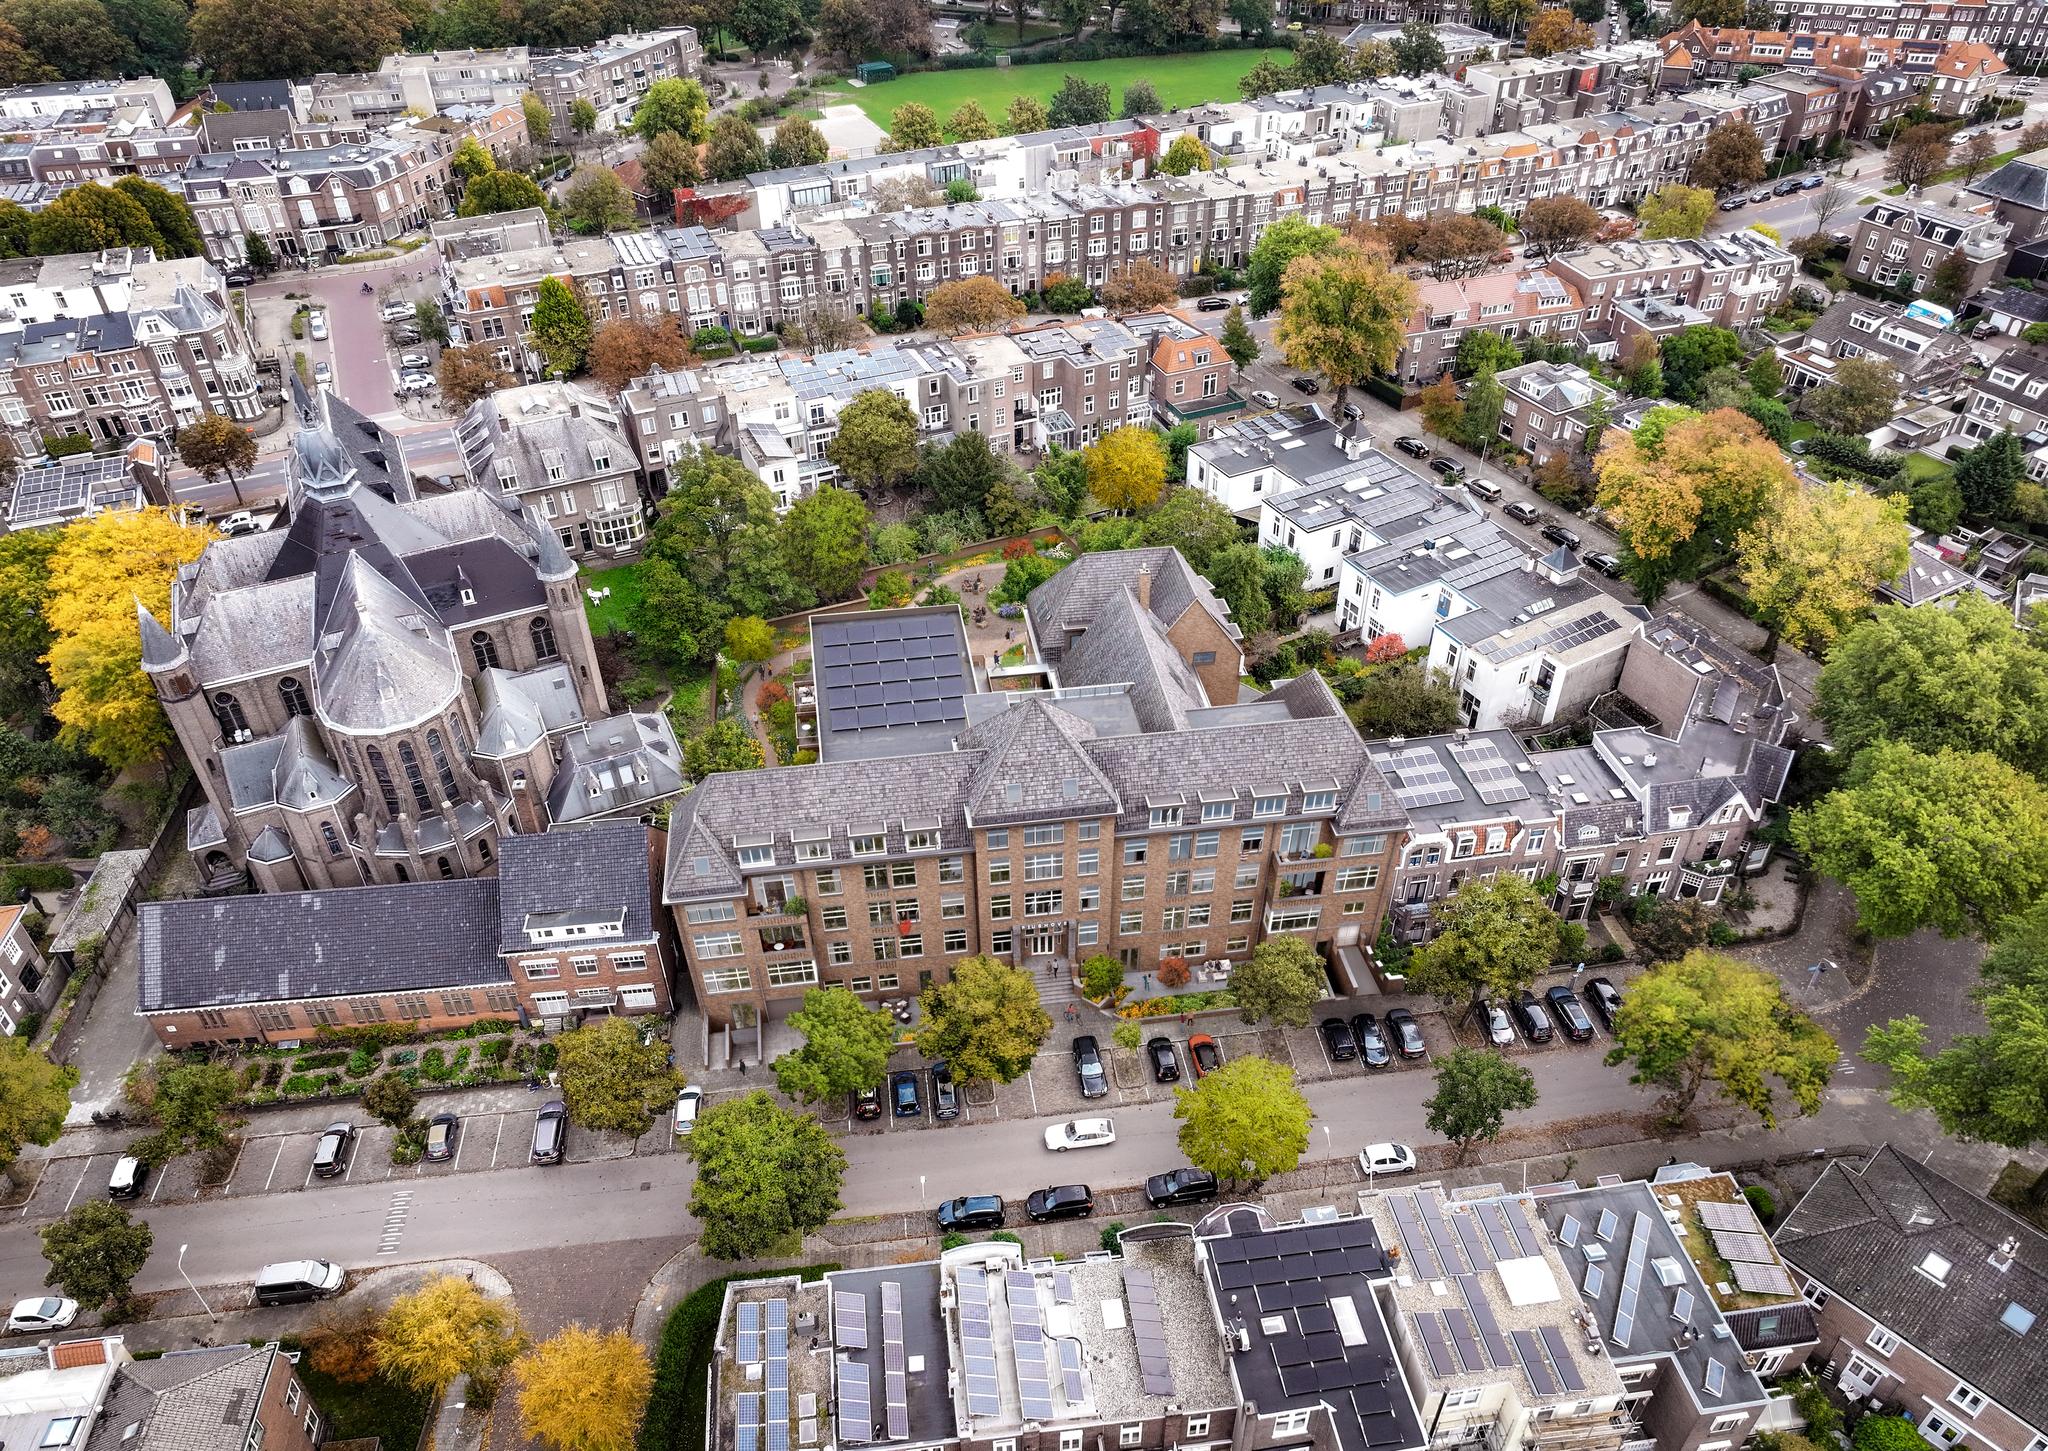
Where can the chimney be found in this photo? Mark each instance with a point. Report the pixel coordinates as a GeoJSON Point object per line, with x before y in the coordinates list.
{"type": "Point", "coordinates": [1145, 586]}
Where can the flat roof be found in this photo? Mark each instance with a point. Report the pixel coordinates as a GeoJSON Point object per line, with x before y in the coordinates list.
{"type": "Point", "coordinates": [889, 682]}
{"type": "Point", "coordinates": [889, 1355]}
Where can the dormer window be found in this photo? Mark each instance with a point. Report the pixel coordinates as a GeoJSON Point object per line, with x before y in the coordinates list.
{"type": "Point", "coordinates": [870, 844]}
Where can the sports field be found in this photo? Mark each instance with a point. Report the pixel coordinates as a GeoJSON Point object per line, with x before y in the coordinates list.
{"type": "Point", "coordinates": [1181, 80]}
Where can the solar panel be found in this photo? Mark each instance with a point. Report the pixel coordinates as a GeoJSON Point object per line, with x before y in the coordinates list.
{"type": "Point", "coordinates": [1519, 1226]}
{"type": "Point", "coordinates": [1762, 1279]}
{"type": "Point", "coordinates": [1609, 1222]}
{"type": "Point", "coordinates": [1595, 1278]}
{"type": "Point", "coordinates": [1504, 1246]}
{"type": "Point", "coordinates": [1489, 772]}
{"type": "Point", "coordinates": [1063, 1288]}
{"type": "Point", "coordinates": [1476, 1252]}
{"type": "Point", "coordinates": [1737, 1247]}
{"type": "Point", "coordinates": [1632, 1281]}
{"type": "Point", "coordinates": [856, 1415]}
{"type": "Point", "coordinates": [750, 1315]}
{"type": "Point", "coordinates": [1561, 1358]}
{"type": "Point", "coordinates": [1482, 1314]}
{"type": "Point", "coordinates": [1568, 1232]}
{"type": "Point", "coordinates": [778, 1314]}
{"type": "Point", "coordinates": [849, 1320]}
{"type": "Point", "coordinates": [1681, 1305]}
{"type": "Point", "coordinates": [1533, 1364]}
{"type": "Point", "coordinates": [1430, 1331]}
{"type": "Point", "coordinates": [1419, 777]}
{"type": "Point", "coordinates": [1464, 1339]}
{"type": "Point", "coordinates": [1070, 1372]}
{"type": "Point", "coordinates": [1414, 1238]}
{"type": "Point", "coordinates": [1719, 1214]}
{"type": "Point", "coordinates": [749, 1349]}
{"type": "Point", "coordinates": [1447, 1251]}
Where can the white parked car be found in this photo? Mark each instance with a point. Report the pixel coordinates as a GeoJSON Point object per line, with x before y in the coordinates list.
{"type": "Point", "coordinates": [1265, 399]}
{"type": "Point", "coordinates": [415, 360]}
{"type": "Point", "coordinates": [323, 372]}
{"type": "Point", "coordinates": [1387, 1159]}
{"type": "Point", "coordinates": [415, 383]}
{"type": "Point", "coordinates": [49, 1313]}
{"type": "Point", "coordinates": [688, 1103]}
{"type": "Point", "coordinates": [396, 309]}
{"type": "Point", "coordinates": [1080, 1133]}
{"type": "Point", "coordinates": [240, 522]}
{"type": "Point", "coordinates": [316, 326]}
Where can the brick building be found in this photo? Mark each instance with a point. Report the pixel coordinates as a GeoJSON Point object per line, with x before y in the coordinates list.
{"type": "Point", "coordinates": [612, 75]}
{"type": "Point", "coordinates": [1902, 243]}
{"type": "Point", "coordinates": [1536, 303]}
{"type": "Point", "coordinates": [561, 451]}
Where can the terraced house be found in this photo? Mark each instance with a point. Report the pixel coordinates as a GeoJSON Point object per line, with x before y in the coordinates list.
{"type": "Point", "coordinates": [1116, 792]}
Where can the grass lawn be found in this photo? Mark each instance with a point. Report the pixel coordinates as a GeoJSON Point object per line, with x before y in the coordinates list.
{"type": "Point", "coordinates": [1803, 428]}
{"type": "Point", "coordinates": [1957, 173]}
{"type": "Point", "coordinates": [615, 613]}
{"type": "Point", "coordinates": [1181, 80]}
{"type": "Point", "coordinates": [1922, 468]}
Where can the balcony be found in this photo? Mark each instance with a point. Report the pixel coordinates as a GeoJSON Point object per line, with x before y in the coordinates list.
{"type": "Point", "coordinates": [1298, 884]}
{"type": "Point", "coordinates": [790, 937]}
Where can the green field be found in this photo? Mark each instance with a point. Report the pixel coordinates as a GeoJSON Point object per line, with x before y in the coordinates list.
{"type": "Point", "coordinates": [1181, 80]}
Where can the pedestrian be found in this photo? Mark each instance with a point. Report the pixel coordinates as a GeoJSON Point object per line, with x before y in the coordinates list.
{"type": "Point", "coordinates": [743, 1067]}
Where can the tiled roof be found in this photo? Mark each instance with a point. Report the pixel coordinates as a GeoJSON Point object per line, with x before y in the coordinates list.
{"type": "Point", "coordinates": [595, 872]}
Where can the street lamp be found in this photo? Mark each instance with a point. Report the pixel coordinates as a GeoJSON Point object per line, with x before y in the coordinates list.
{"type": "Point", "coordinates": [211, 1313]}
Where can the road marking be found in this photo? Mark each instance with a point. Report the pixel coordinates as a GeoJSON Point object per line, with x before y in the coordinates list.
{"type": "Point", "coordinates": [355, 1147]}
{"type": "Point", "coordinates": [498, 1140]}
{"type": "Point", "coordinates": [394, 1221]}
{"type": "Point", "coordinates": [1033, 1088]}
{"type": "Point", "coordinates": [460, 1137]}
{"type": "Point", "coordinates": [240, 1149]}
{"type": "Point", "coordinates": [160, 1177]}
{"type": "Point", "coordinates": [273, 1166]}
{"type": "Point", "coordinates": [81, 1182]}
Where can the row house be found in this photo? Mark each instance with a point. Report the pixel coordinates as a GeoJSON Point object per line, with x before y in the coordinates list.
{"type": "Point", "coordinates": [2012, 397]}
{"type": "Point", "coordinates": [1952, 74]}
{"type": "Point", "coordinates": [1079, 380]}
{"type": "Point", "coordinates": [1536, 303]}
{"type": "Point", "coordinates": [1462, 44]}
{"type": "Point", "coordinates": [1733, 279]}
{"type": "Point", "coordinates": [73, 159]}
{"type": "Point", "coordinates": [435, 81]}
{"type": "Point", "coordinates": [1558, 87]}
{"type": "Point", "coordinates": [37, 103]}
{"type": "Point", "coordinates": [2013, 30]}
{"type": "Point", "coordinates": [1763, 109]}
{"type": "Point", "coordinates": [562, 451]}
{"type": "Point", "coordinates": [2018, 194]}
{"type": "Point", "coordinates": [1549, 407]}
{"type": "Point", "coordinates": [612, 75]}
{"type": "Point", "coordinates": [1189, 375]}
{"type": "Point", "coordinates": [1823, 107]}
{"type": "Point", "coordinates": [1902, 243]}
{"type": "Point", "coordinates": [1927, 358]}
{"type": "Point", "coordinates": [315, 204]}
{"type": "Point", "coordinates": [271, 129]}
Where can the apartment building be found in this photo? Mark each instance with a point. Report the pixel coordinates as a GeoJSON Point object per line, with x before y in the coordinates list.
{"type": "Point", "coordinates": [1902, 243]}
{"type": "Point", "coordinates": [1549, 407]}
{"type": "Point", "coordinates": [1953, 74]}
{"type": "Point", "coordinates": [438, 80]}
{"type": "Point", "coordinates": [1106, 810]}
{"type": "Point", "coordinates": [1520, 92]}
{"type": "Point", "coordinates": [315, 204]}
{"type": "Point", "coordinates": [670, 416]}
{"type": "Point", "coordinates": [1733, 279]}
{"type": "Point", "coordinates": [2012, 397]}
{"type": "Point", "coordinates": [1823, 107]}
{"type": "Point", "coordinates": [2010, 30]}
{"type": "Point", "coordinates": [28, 987]}
{"type": "Point", "coordinates": [1927, 358]}
{"type": "Point", "coordinates": [561, 451]}
{"type": "Point", "coordinates": [1080, 380]}
{"type": "Point", "coordinates": [2018, 193]}
{"type": "Point", "coordinates": [612, 75]}
{"type": "Point", "coordinates": [73, 158]}
{"type": "Point", "coordinates": [148, 99]}
{"type": "Point", "coordinates": [1533, 303]}
{"type": "Point", "coordinates": [1926, 1296]}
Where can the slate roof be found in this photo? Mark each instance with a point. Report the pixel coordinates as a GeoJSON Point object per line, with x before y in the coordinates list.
{"type": "Point", "coordinates": [1126, 644]}
{"type": "Point", "coordinates": [1071, 598]}
{"type": "Point", "coordinates": [1033, 766]}
{"type": "Point", "coordinates": [1865, 1231]}
{"type": "Point", "coordinates": [617, 765]}
{"type": "Point", "coordinates": [2022, 181]}
{"type": "Point", "coordinates": [185, 1400]}
{"type": "Point", "coordinates": [589, 872]}
{"type": "Point", "coordinates": [2014, 302]}
{"type": "Point", "coordinates": [253, 95]}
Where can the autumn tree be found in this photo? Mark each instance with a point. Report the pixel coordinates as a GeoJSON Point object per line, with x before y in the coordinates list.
{"type": "Point", "coordinates": [975, 304]}
{"type": "Point", "coordinates": [1277, 248]}
{"type": "Point", "coordinates": [1732, 157]}
{"type": "Point", "coordinates": [876, 445]}
{"type": "Point", "coordinates": [215, 444]}
{"type": "Point", "coordinates": [540, 122]}
{"type": "Point", "coordinates": [1126, 468]}
{"type": "Point", "coordinates": [626, 348]}
{"type": "Point", "coordinates": [1916, 154]}
{"type": "Point", "coordinates": [1457, 245]}
{"type": "Point", "coordinates": [1557, 29]}
{"type": "Point", "coordinates": [1186, 154]}
{"type": "Point", "coordinates": [969, 122]}
{"type": "Point", "coordinates": [1025, 115]}
{"type": "Point", "coordinates": [914, 126]}
{"type": "Point", "coordinates": [596, 199]}
{"type": "Point", "coordinates": [35, 1096]}
{"type": "Point", "coordinates": [1345, 316]}
{"type": "Point", "coordinates": [444, 1330]}
{"type": "Point", "coordinates": [612, 1079]}
{"type": "Point", "coordinates": [797, 142]}
{"type": "Point", "coordinates": [1441, 409]}
{"type": "Point", "coordinates": [1813, 563]}
{"type": "Point", "coordinates": [1243, 1121]}
{"type": "Point", "coordinates": [1139, 286]}
{"type": "Point", "coordinates": [1863, 394]}
{"type": "Point", "coordinates": [467, 374]}
{"type": "Point", "coordinates": [584, 1390]}
{"type": "Point", "coordinates": [986, 1020]}
{"type": "Point", "coordinates": [1676, 211]}
{"type": "Point", "coordinates": [1557, 224]}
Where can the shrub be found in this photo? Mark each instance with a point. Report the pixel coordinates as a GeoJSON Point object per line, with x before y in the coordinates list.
{"type": "Point", "coordinates": [1019, 548]}
{"type": "Point", "coordinates": [361, 1063]}
{"type": "Point", "coordinates": [434, 1064]}
{"type": "Point", "coordinates": [409, 1144]}
{"type": "Point", "coordinates": [762, 345]}
{"type": "Point", "coordinates": [951, 1239]}
{"type": "Point", "coordinates": [313, 1062]}
{"type": "Point", "coordinates": [1101, 975]}
{"type": "Point", "coordinates": [1006, 1237]}
{"type": "Point", "coordinates": [1173, 972]}
{"type": "Point", "coordinates": [1886, 1433]}
{"type": "Point", "coordinates": [1761, 1201]}
{"type": "Point", "coordinates": [273, 1073]}
{"type": "Point", "coordinates": [1109, 1233]}
{"type": "Point", "coordinates": [1612, 952]}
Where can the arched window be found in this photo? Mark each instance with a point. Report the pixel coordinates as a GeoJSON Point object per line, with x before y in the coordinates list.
{"type": "Point", "coordinates": [294, 696]}
{"type": "Point", "coordinates": [228, 711]}
{"type": "Point", "coordinates": [403, 874]}
{"type": "Point", "coordinates": [332, 837]}
{"type": "Point", "coordinates": [485, 649]}
{"type": "Point", "coordinates": [461, 737]}
{"type": "Point", "coordinates": [409, 759]}
{"type": "Point", "coordinates": [447, 867]}
{"type": "Point", "coordinates": [543, 638]}
{"type": "Point", "coordinates": [483, 850]}
{"type": "Point", "coordinates": [440, 755]}
{"type": "Point", "coordinates": [383, 775]}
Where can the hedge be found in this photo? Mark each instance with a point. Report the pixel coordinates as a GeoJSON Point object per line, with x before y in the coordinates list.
{"type": "Point", "coordinates": [1071, 52]}
{"type": "Point", "coordinates": [1854, 454]}
{"type": "Point", "coordinates": [762, 345]}
{"type": "Point", "coordinates": [677, 1407]}
{"type": "Point", "coordinates": [1384, 389]}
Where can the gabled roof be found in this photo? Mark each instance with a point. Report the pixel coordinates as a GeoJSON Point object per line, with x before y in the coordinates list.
{"type": "Point", "coordinates": [591, 873]}
{"type": "Point", "coordinates": [186, 1400]}
{"type": "Point", "coordinates": [1034, 766]}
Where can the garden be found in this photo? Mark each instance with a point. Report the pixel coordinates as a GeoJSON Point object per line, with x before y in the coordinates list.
{"type": "Point", "coordinates": [341, 1062]}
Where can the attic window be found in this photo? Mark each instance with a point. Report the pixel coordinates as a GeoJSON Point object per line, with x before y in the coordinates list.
{"type": "Point", "coordinates": [1935, 1267]}
{"type": "Point", "coordinates": [2016, 1317]}
{"type": "Point", "coordinates": [62, 1430]}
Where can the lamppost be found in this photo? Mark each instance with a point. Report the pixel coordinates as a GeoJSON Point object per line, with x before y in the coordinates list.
{"type": "Point", "coordinates": [211, 1313]}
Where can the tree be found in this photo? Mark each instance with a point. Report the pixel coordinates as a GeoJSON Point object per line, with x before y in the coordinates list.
{"type": "Point", "coordinates": [749, 639]}
{"type": "Point", "coordinates": [446, 1329]}
{"type": "Point", "coordinates": [1061, 480]}
{"type": "Point", "coordinates": [596, 199]}
{"type": "Point", "coordinates": [582, 116]}
{"type": "Point", "coordinates": [74, 37]}
{"type": "Point", "coordinates": [976, 304]}
{"type": "Point", "coordinates": [391, 1100]}
{"type": "Point", "coordinates": [1674, 929]}
{"type": "Point", "coordinates": [626, 348]}
{"type": "Point", "coordinates": [1950, 279]}
{"type": "Point", "coordinates": [467, 374]}
{"type": "Point", "coordinates": [1417, 51]}
{"type": "Point", "coordinates": [959, 475]}
{"type": "Point", "coordinates": [825, 541]}
{"type": "Point", "coordinates": [584, 1390]}
{"type": "Point", "coordinates": [1556, 224]}
{"type": "Point", "coordinates": [1765, 375]}
{"type": "Point", "coordinates": [35, 1095]}
{"type": "Point", "coordinates": [1974, 155]}
{"type": "Point", "coordinates": [1555, 30]}
{"type": "Point", "coordinates": [986, 1022]}
{"type": "Point", "coordinates": [1676, 211]}
{"type": "Point", "coordinates": [1916, 154]}
{"type": "Point", "coordinates": [105, 563]}
{"type": "Point", "coordinates": [561, 327]}
{"type": "Point", "coordinates": [1708, 1019]}
{"type": "Point", "coordinates": [1077, 103]}
{"type": "Point", "coordinates": [1988, 476]}
{"type": "Point", "coordinates": [797, 143]}
{"type": "Point", "coordinates": [1732, 157]}
{"type": "Point", "coordinates": [1238, 343]}
{"type": "Point", "coordinates": [214, 445]}
{"type": "Point", "coordinates": [1277, 247]}
{"type": "Point", "coordinates": [1485, 401]}
{"type": "Point", "coordinates": [1951, 839]}
{"type": "Point", "coordinates": [734, 150]}
{"type": "Point", "coordinates": [1862, 395]}
{"type": "Point", "coordinates": [471, 161]}
{"type": "Point", "coordinates": [1067, 294]}
{"type": "Point", "coordinates": [1643, 372]}
{"type": "Point", "coordinates": [256, 251]}
{"type": "Point", "coordinates": [846, 1047]}
{"type": "Point", "coordinates": [500, 191]}
{"type": "Point", "coordinates": [1689, 354]}
{"type": "Point", "coordinates": [670, 163]}
{"type": "Point", "coordinates": [1281, 982]}
{"type": "Point", "coordinates": [724, 745]}
{"type": "Point", "coordinates": [1492, 938]}
{"type": "Point", "coordinates": [1483, 350]}
{"type": "Point", "coordinates": [1442, 410]}
{"type": "Point", "coordinates": [612, 1080]}
{"type": "Point", "coordinates": [1195, 524]}
{"type": "Point", "coordinates": [167, 213]}
{"type": "Point", "coordinates": [1405, 701]}
{"type": "Point", "coordinates": [1186, 154]}
{"type": "Point", "coordinates": [969, 122]}
{"type": "Point", "coordinates": [1243, 1121]}
{"type": "Point", "coordinates": [95, 1253]}
{"type": "Point", "coordinates": [1126, 468]}
{"type": "Point", "coordinates": [1139, 286]}
{"type": "Point", "coordinates": [1458, 245]}
{"type": "Point", "coordinates": [1476, 1091]}
{"type": "Point", "coordinates": [876, 445]}
{"type": "Point", "coordinates": [913, 127]}
{"type": "Point", "coordinates": [1345, 316]}
{"type": "Point", "coordinates": [673, 106]}
{"type": "Point", "coordinates": [540, 123]}
{"type": "Point", "coordinates": [1812, 564]}
{"type": "Point", "coordinates": [90, 218]}
{"type": "Point", "coordinates": [1025, 115]}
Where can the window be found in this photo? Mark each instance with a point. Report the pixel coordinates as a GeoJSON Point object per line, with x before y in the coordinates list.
{"type": "Point", "coordinates": [1939, 1430]}
{"type": "Point", "coordinates": [1966, 1398]}
{"type": "Point", "coordinates": [227, 711]}
{"type": "Point", "coordinates": [998, 870]}
{"type": "Point", "coordinates": [1724, 1424]}
{"type": "Point", "coordinates": [1134, 852]}
{"type": "Point", "coordinates": [1881, 1340]}
{"type": "Point", "coordinates": [1129, 923]}
{"type": "Point", "coordinates": [1286, 1423]}
{"type": "Point", "coordinates": [920, 841]}
{"type": "Point", "coordinates": [1070, 1441]}
{"type": "Point", "coordinates": [1362, 846]}
{"type": "Point", "coordinates": [1051, 835]}
{"type": "Point", "coordinates": [414, 777]}
{"type": "Point", "coordinates": [839, 954]}
{"type": "Point", "coordinates": [717, 944]}
{"type": "Point", "coordinates": [441, 769]}
{"type": "Point", "coordinates": [1935, 1267]}
{"type": "Point", "coordinates": [62, 1430]}
{"type": "Point", "coordinates": [383, 775]}
{"type": "Point", "coordinates": [1196, 1426]}
{"type": "Point", "coordinates": [543, 635]}
{"type": "Point", "coordinates": [1130, 1435]}
{"type": "Point", "coordinates": [956, 939]}
{"type": "Point", "coordinates": [485, 650]}
{"type": "Point", "coordinates": [999, 907]}
{"type": "Point", "coordinates": [293, 695]}
{"type": "Point", "coordinates": [867, 845]}
{"type": "Point", "coordinates": [1133, 889]}
{"type": "Point", "coordinates": [1087, 863]}
{"type": "Point", "coordinates": [1268, 805]}
{"type": "Point", "coordinates": [953, 869]}
{"type": "Point", "coordinates": [828, 883]}
{"type": "Point", "coordinates": [728, 980]}
{"type": "Point", "coordinates": [1042, 867]}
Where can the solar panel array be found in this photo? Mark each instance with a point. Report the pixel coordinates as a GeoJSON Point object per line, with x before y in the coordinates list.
{"type": "Point", "coordinates": [1282, 1270]}
{"type": "Point", "coordinates": [856, 1410]}
{"type": "Point", "coordinates": [1631, 1280]}
{"type": "Point", "coordinates": [1030, 1345]}
{"type": "Point", "coordinates": [1482, 1314]}
{"type": "Point", "coordinates": [1534, 1365]}
{"type": "Point", "coordinates": [1762, 1279]}
{"type": "Point", "coordinates": [747, 1422]}
{"type": "Point", "coordinates": [1719, 1214]}
{"type": "Point", "coordinates": [895, 1379]}
{"type": "Point", "coordinates": [881, 673]}
{"type": "Point", "coordinates": [1419, 777]}
{"type": "Point", "coordinates": [1155, 1370]}
{"type": "Point", "coordinates": [978, 1309]}
{"type": "Point", "coordinates": [849, 1320]}
{"type": "Point", "coordinates": [749, 1348]}
{"type": "Point", "coordinates": [775, 1424]}
{"type": "Point", "coordinates": [1070, 1371]}
{"type": "Point", "coordinates": [1489, 772]}
{"type": "Point", "coordinates": [1561, 1358]}
{"type": "Point", "coordinates": [1740, 1248]}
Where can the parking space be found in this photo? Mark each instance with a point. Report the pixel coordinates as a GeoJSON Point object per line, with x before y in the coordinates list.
{"type": "Point", "coordinates": [65, 1181]}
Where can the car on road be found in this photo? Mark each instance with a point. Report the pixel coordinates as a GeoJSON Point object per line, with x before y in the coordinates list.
{"type": "Point", "coordinates": [1081, 1133]}
{"type": "Point", "coordinates": [1088, 1067]}
{"type": "Point", "coordinates": [1761, 194]}
{"type": "Point", "coordinates": [1204, 1054]}
{"type": "Point", "coordinates": [330, 1155]}
{"type": "Point", "coordinates": [291, 1282]}
{"type": "Point", "coordinates": [1786, 187]}
{"type": "Point", "coordinates": [689, 1103]}
{"type": "Point", "coordinates": [904, 1095]}
{"type": "Point", "coordinates": [1337, 1040]}
{"type": "Point", "coordinates": [945, 1093]}
{"type": "Point", "coordinates": [1213, 304]}
{"type": "Point", "coordinates": [1406, 1033]}
{"type": "Point", "coordinates": [1529, 1018]}
{"type": "Point", "coordinates": [550, 1132]}
{"type": "Point", "coordinates": [240, 522]}
{"type": "Point", "coordinates": [972, 1211]}
{"type": "Point", "coordinates": [1492, 1020]}
{"type": "Point", "coordinates": [52, 1312]}
{"type": "Point", "coordinates": [1480, 488]}
{"type": "Point", "coordinates": [1061, 1201]}
{"type": "Point", "coordinates": [1265, 399]}
{"type": "Point", "coordinates": [2013, 125]}
{"type": "Point", "coordinates": [1570, 1013]}
{"type": "Point", "coordinates": [1412, 446]}
{"type": "Point", "coordinates": [238, 277]}
{"type": "Point", "coordinates": [1735, 204]}
{"type": "Point", "coordinates": [1558, 534]}
{"type": "Point", "coordinates": [1606, 563]}
{"type": "Point", "coordinates": [1372, 1043]}
{"type": "Point", "coordinates": [1180, 1186]}
{"type": "Point", "coordinates": [129, 1175]}
{"type": "Point", "coordinates": [1450, 468]}
{"type": "Point", "coordinates": [395, 309]}
{"type": "Point", "coordinates": [1520, 512]}
{"type": "Point", "coordinates": [414, 383]}
{"type": "Point", "coordinates": [1387, 1159]}
{"type": "Point", "coordinates": [1352, 412]}
{"type": "Point", "coordinates": [1308, 386]}
{"type": "Point", "coordinates": [413, 362]}
{"type": "Point", "coordinates": [1165, 1062]}
{"type": "Point", "coordinates": [444, 1128]}
{"type": "Point", "coordinates": [1605, 1000]}
{"type": "Point", "coordinates": [867, 1104]}
{"type": "Point", "coordinates": [316, 326]}
{"type": "Point", "coordinates": [1812, 181]}
{"type": "Point", "coordinates": [323, 371]}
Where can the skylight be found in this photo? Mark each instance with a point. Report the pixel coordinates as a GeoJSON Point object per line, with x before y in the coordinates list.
{"type": "Point", "coordinates": [2016, 1317]}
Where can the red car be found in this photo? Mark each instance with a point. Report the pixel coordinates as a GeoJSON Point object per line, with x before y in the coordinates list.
{"type": "Point", "coordinates": [1204, 1054]}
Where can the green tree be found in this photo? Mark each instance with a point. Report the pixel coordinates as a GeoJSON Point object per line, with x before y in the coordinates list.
{"type": "Point", "coordinates": [158, 31]}
{"type": "Point", "coordinates": [471, 161]}
{"type": "Point", "coordinates": [499, 191]}
{"type": "Point", "coordinates": [1345, 315]}
{"type": "Point", "coordinates": [35, 1095]}
{"type": "Point", "coordinates": [1237, 338]}
{"type": "Point", "coordinates": [1950, 280]}
{"type": "Point", "coordinates": [1886, 1433]}
{"type": "Point", "coordinates": [1077, 103]}
{"type": "Point", "coordinates": [1689, 354]}
{"type": "Point", "coordinates": [876, 445]}
{"type": "Point", "coordinates": [749, 639]}
{"type": "Point", "coordinates": [74, 37]}
{"type": "Point", "coordinates": [612, 1080]}
{"type": "Point", "coordinates": [1025, 115]}
{"type": "Point", "coordinates": [390, 1100]}
{"type": "Point", "coordinates": [724, 745]}
{"type": "Point", "coordinates": [1281, 982]}
{"type": "Point", "coordinates": [669, 164]}
{"type": "Point", "coordinates": [1244, 1121]}
{"type": "Point", "coordinates": [446, 1329]}
{"type": "Point", "coordinates": [986, 1021]}
{"type": "Point", "coordinates": [1676, 211]}
{"type": "Point", "coordinates": [1813, 564]}
{"type": "Point", "coordinates": [734, 150]}
{"type": "Point", "coordinates": [1765, 374]}
{"type": "Point", "coordinates": [597, 200]}
{"type": "Point", "coordinates": [1141, 98]}
{"type": "Point", "coordinates": [1062, 482]}
{"type": "Point", "coordinates": [1067, 294]}
{"type": "Point", "coordinates": [846, 1047]}
{"type": "Point", "coordinates": [1277, 247]}
{"type": "Point", "coordinates": [765, 1177]}
{"type": "Point", "coordinates": [95, 1253]}
{"type": "Point", "coordinates": [215, 444]}
{"type": "Point", "coordinates": [1733, 157]}
{"type": "Point", "coordinates": [189, 1103]}
{"type": "Point", "coordinates": [959, 474]}
{"type": "Point", "coordinates": [1862, 395]}
{"type": "Point", "coordinates": [582, 116]}
{"type": "Point", "coordinates": [1405, 701]}
{"type": "Point", "coordinates": [1195, 524]}
{"type": "Point", "coordinates": [561, 327]}
{"type": "Point", "coordinates": [167, 213]}
{"type": "Point", "coordinates": [1484, 351]}
{"type": "Point", "coordinates": [673, 106]}
{"type": "Point", "coordinates": [913, 127]}
{"type": "Point", "coordinates": [797, 143]}
{"type": "Point", "coordinates": [970, 123]}
{"type": "Point", "coordinates": [1479, 424]}
{"type": "Point", "coordinates": [1674, 929]}
{"type": "Point", "coordinates": [1475, 1092]}
{"type": "Point", "coordinates": [1989, 475]}
{"type": "Point", "coordinates": [1708, 1019]}
{"type": "Point", "coordinates": [825, 541]}
{"type": "Point", "coordinates": [90, 218]}
{"type": "Point", "coordinates": [1417, 51]}
{"type": "Point", "coordinates": [540, 124]}
{"type": "Point", "coordinates": [1186, 154]}
{"type": "Point", "coordinates": [256, 250]}
{"type": "Point", "coordinates": [1956, 840]}
{"type": "Point", "coordinates": [1238, 573]}
{"type": "Point", "coordinates": [1492, 938]}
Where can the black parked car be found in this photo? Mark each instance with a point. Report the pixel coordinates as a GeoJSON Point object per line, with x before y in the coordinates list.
{"type": "Point", "coordinates": [867, 1104]}
{"type": "Point", "coordinates": [1307, 385]}
{"type": "Point", "coordinates": [1213, 304]}
{"type": "Point", "coordinates": [945, 1096]}
{"type": "Point", "coordinates": [1372, 1043]}
{"type": "Point", "coordinates": [330, 1155]}
{"type": "Point", "coordinates": [1337, 1040]}
{"type": "Point", "coordinates": [1088, 1067]}
{"type": "Point", "coordinates": [1180, 1186]}
{"type": "Point", "coordinates": [1529, 1018]}
{"type": "Point", "coordinates": [1062, 1201]}
{"type": "Point", "coordinates": [904, 1094]}
{"type": "Point", "coordinates": [1413, 447]}
{"type": "Point", "coordinates": [1558, 534]}
{"type": "Point", "coordinates": [1165, 1062]}
{"type": "Point", "coordinates": [1450, 468]}
{"type": "Point", "coordinates": [1520, 512]}
{"type": "Point", "coordinates": [1607, 564]}
{"type": "Point", "coordinates": [1407, 1033]}
{"type": "Point", "coordinates": [1570, 1013]}
{"type": "Point", "coordinates": [972, 1211]}
{"type": "Point", "coordinates": [1605, 999]}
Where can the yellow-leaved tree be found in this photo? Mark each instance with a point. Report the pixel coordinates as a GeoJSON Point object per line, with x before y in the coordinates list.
{"type": "Point", "coordinates": [1812, 564]}
{"type": "Point", "coordinates": [1126, 468]}
{"type": "Point", "coordinates": [1343, 314]}
{"type": "Point", "coordinates": [445, 1329]}
{"type": "Point", "coordinates": [584, 1390]}
{"type": "Point", "coordinates": [101, 567]}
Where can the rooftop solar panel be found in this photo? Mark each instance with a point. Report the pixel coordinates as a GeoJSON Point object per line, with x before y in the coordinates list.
{"type": "Point", "coordinates": [1595, 1278]}
{"type": "Point", "coordinates": [1717, 1214]}
{"type": "Point", "coordinates": [1716, 1378]}
{"type": "Point", "coordinates": [1476, 1252]}
{"type": "Point", "coordinates": [1482, 1315]}
{"type": "Point", "coordinates": [1681, 1305]}
{"type": "Point", "coordinates": [1464, 1339]}
{"type": "Point", "coordinates": [1561, 1358]}
{"type": "Point", "coordinates": [1414, 1238]}
{"type": "Point", "coordinates": [1632, 1281]}
{"type": "Point", "coordinates": [1497, 1235]}
{"type": "Point", "coordinates": [1762, 1279]}
{"type": "Point", "coordinates": [1533, 1364]}
{"type": "Point", "coordinates": [1430, 1331]}
{"type": "Point", "coordinates": [778, 1314]}
{"type": "Point", "coordinates": [1447, 1251]}
{"type": "Point", "coordinates": [1609, 1222]}
{"type": "Point", "coordinates": [1519, 1226]}
{"type": "Point", "coordinates": [1739, 1248]}
{"type": "Point", "coordinates": [849, 1320]}
{"type": "Point", "coordinates": [1568, 1232]}
{"type": "Point", "coordinates": [749, 1314]}
{"type": "Point", "coordinates": [1489, 772]}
